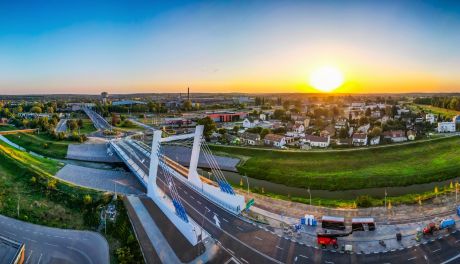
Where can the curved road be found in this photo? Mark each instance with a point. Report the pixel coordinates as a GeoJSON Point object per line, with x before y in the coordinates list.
{"type": "Point", "coordinates": [53, 245]}
{"type": "Point", "coordinates": [251, 243]}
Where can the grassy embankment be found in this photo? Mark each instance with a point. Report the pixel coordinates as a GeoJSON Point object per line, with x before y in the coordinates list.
{"type": "Point", "coordinates": [7, 128]}
{"type": "Point", "coordinates": [403, 165]}
{"type": "Point", "coordinates": [42, 144]}
{"type": "Point", "coordinates": [47, 201]}
{"type": "Point", "coordinates": [87, 127]}
{"type": "Point", "coordinates": [436, 110]}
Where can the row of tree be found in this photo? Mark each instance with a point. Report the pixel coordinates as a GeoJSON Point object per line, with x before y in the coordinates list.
{"type": "Point", "coordinates": [452, 103]}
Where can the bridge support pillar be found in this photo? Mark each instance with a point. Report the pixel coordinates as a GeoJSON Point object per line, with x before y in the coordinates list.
{"type": "Point", "coordinates": [154, 161]}
{"type": "Point", "coordinates": [192, 170]}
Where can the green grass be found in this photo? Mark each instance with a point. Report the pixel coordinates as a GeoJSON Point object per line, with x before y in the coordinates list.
{"type": "Point", "coordinates": [42, 144]}
{"type": "Point", "coordinates": [437, 110]}
{"type": "Point", "coordinates": [87, 127]}
{"type": "Point", "coordinates": [402, 165]}
{"type": "Point", "coordinates": [7, 128]}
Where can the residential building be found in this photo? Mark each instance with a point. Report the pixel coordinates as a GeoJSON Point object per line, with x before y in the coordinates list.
{"type": "Point", "coordinates": [446, 127]}
{"type": "Point", "coordinates": [248, 124]}
{"type": "Point", "coordinates": [364, 128]}
{"type": "Point", "coordinates": [359, 139]}
{"type": "Point", "coordinates": [431, 118]}
{"type": "Point", "coordinates": [317, 141]}
{"type": "Point", "coordinates": [395, 135]}
{"type": "Point", "coordinates": [341, 123]}
{"type": "Point", "coordinates": [250, 138]}
{"type": "Point", "coordinates": [263, 117]}
{"type": "Point", "coordinates": [374, 141]}
{"type": "Point", "coordinates": [456, 119]}
{"type": "Point", "coordinates": [275, 140]}
{"type": "Point", "coordinates": [298, 128]}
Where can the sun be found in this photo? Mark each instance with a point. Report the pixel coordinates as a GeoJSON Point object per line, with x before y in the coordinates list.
{"type": "Point", "coordinates": [326, 79]}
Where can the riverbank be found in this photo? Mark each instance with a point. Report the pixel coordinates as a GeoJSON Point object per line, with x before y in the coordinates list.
{"type": "Point", "coordinates": [420, 162]}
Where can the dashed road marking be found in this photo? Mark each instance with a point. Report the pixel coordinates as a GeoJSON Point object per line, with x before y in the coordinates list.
{"type": "Point", "coordinates": [258, 238]}
{"type": "Point", "coordinates": [30, 254]}
{"type": "Point", "coordinates": [436, 250]}
{"type": "Point", "coordinates": [279, 247]}
{"type": "Point", "coordinates": [412, 258]}
{"type": "Point", "coordinates": [39, 259]}
{"type": "Point", "coordinates": [245, 261]}
{"type": "Point", "coordinates": [239, 228]}
{"type": "Point", "coordinates": [225, 220]}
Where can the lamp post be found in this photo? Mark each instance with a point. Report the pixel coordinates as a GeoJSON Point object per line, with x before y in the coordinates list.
{"type": "Point", "coordinates": [247, 181]}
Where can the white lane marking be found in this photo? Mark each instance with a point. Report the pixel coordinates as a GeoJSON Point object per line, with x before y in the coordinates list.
{"type": "Point", "coordinates": [328, 262]}
{"type": "Point", "coordinates": [30, 254]}
{"type": "Point", "coordinates": [412, 258]}
{"type": "Point", "coordinates": [13, 234]}
{"type": "Point", "coordinates": [436, 250]}
{"type": "Point", "coordinates": [302, 256]}
{"type": "Point", "coordinates": [198, 202]}
{"type": "Point", "coordinates": [54, 245]}
{"type": "Point", "coordinates": [258, 238]}
{"type": "Point", "coordinates": [451, 259]}
{"type": "Point", "coordinates": [245, 261]}
{"type": "Point", "coordinates": [225, 220]}
{"type": "Point", "coordinates": [279, 247]}
{"type": "Point", "coordinates": [192, 197]}
{"type": "Point", "coordinates": [231, 251]}
{"type": "Point", "coordinates": [40, 259]}
{"type": "Point", "coordinates": [239, 228]}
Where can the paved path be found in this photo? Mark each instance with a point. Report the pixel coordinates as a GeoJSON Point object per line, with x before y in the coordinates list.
{"type": "Point", "coordinates": [62, 125]}
{"type": "Point", "coordinates": [54, 245]}
{"type": "Point", "coordinates": [91, 152]}
{"type": "Point", "coordinates": [107, 180]}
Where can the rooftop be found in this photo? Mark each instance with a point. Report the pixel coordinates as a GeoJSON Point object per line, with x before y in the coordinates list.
{"type": "Point", "coordinates": [9, 250]}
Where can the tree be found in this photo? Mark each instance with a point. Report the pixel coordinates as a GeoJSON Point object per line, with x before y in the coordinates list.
{"type": "Point", "coordinates": [343, 133]}
{"type": "Point", "coordinates": [36, 109]}
{"type": "Point", "coordinates": [80, 123]}
{"type": "Point", "coordinates": [286, 105]}
{"type": "Point", "coordinates": [264, 132]}
{"type": "Point", "coordinates": [236, 129]}
{"type": "Point", "coordinates": [278, 114]}
{"type": "Point", "coordinates": [125, 256]}
{"type": "Point", "coordinates": [187, 105]}
{"type": "Point", "coordinates": [209, 126]}
{"type": "Point", "coordinates": [368, 112]}
{"type": "Point", "coordinates": [87, 199]}
{"type": "Point", "coordinates": [376, 131]}
{"type": "Point", "coordinates": [72, 124]}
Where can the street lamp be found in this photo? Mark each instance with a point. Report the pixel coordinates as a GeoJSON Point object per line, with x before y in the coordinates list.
{"type": "Point", "coordinates": [247, 181]}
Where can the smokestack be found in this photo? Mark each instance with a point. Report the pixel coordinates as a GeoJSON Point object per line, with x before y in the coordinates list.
{"type": "Point", "coordinates": [188, 93]}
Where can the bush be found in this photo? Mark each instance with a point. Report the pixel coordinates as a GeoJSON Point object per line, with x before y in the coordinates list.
{"type": "Point", "coordinates": [364, 201]}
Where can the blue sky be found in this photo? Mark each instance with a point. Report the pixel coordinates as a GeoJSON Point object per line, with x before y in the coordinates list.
{"type": "Point", "coordinates": [226, 46]}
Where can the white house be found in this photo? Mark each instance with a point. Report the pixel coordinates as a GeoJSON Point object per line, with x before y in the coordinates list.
{"type": "Point", "coordinates": [275, 140]}
{"type": "Point", "coordinates": [248, 124]}
{"type": "Point", "coordinates": [395, 135]}
{"type": "Point", "coordinates": [250, 138]}
{"type": "Point", "coordinates": [431, 118]}
{"type": "Point", "coordinates": [298, 128]}
{"type": "Point", "coordinates": [263, 117]}
{"type": "Point", "coordinates": [411, 134]}
{"type": "Point", "coordinates": [315, 141]}
{"type": "Point", "coordinates": [374, 141]}
{"type": "Point", "coordinates": [446, 127]}
{"type": "Point", "coordinates": [359, 139]}
{"type": "Point", "coordinates": [364, 128]}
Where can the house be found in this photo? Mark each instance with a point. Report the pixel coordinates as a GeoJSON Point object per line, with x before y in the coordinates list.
{"type": "Point", "coordinates": [395, 135]}
{"type": "Point", "coordinates": [376, 114]}
{"type": "Point", "coordinates": [374, 141]}
{"type": "Point", "coordinates": [431, 118]}
{"type": "Point", "coordinates": [298, 128]}
{"type": "Point", "coordinates": [250, 138]}
{"type": "Point", "coordinates": [341, 123]}
{"type": "Point", "coordinates": [248, 124]}
{"type": "Point", "coordinates": [359, 139]}
{"type": "Point", "coordinates": [263, 117]}
{"type": "Point", "coordinates": [364, 128]}
{"type": "Point", "coordinates": [411, 134]}
{"type": "Point", "coordinates": [316, 141]}
{"type": "Point", "coordinates": [275, 140]}
{"type": "Point", "coordinates": [456, 119]}
{"type": "Point", "coordinates": [3, 120]}
{"type": "Point", "coordinates": [446, 127]}
{"type": "Point", "coordinates": [343, 142]}
{"type": "Point", "coordinates": [306, 122]}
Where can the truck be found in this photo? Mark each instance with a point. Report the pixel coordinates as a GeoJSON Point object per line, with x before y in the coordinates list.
{"type": "Point", "coordinates": [326, 238]}
{"type": "Point", "coordinates": [432, 227]}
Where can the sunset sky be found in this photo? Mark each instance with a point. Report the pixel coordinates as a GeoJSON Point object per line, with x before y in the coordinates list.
{"type": "Point", "coordinates": [227, 46]}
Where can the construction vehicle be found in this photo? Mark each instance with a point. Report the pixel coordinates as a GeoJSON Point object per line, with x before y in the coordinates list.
{"type": "Point", "coordinates": [325, 239]}
{"type": "Point", "coordinates": [432, 227]}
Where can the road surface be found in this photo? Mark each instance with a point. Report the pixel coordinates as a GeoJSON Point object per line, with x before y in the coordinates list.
{"type": "Point", "coordinates": [99, 122]}
{"type": "Point", "coordinates": [54, 245]}
{"type": "Point", "coordinates": [62, 126]}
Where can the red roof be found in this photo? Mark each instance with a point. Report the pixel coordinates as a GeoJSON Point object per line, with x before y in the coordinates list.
{"type": "Point", "coordinates": [316, 138]}
{"type": "Point", "coordinates": [273, 137]}
{"type": "Point", "coordinates": [359, 136]}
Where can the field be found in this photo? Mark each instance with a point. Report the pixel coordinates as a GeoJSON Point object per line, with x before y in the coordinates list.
{"type": "Point", "coordinates": [7, 128]}
{"type": "Point", "coordinates": [41, 144]}
{"type": "Point", "coordinates": [343, 170]}
{"type": "Point", "coordinates": [437, 110]}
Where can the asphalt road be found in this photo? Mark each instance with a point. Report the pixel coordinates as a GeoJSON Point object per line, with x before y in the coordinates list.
{"type": "Point", "coordinates": [250, 243]}
{"type": "Point", "coordinates": [54, 245]}
{"type": "Point", "coordinates": [98, 121]}
{"type": "Point", "coordinates": [62, 126]}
